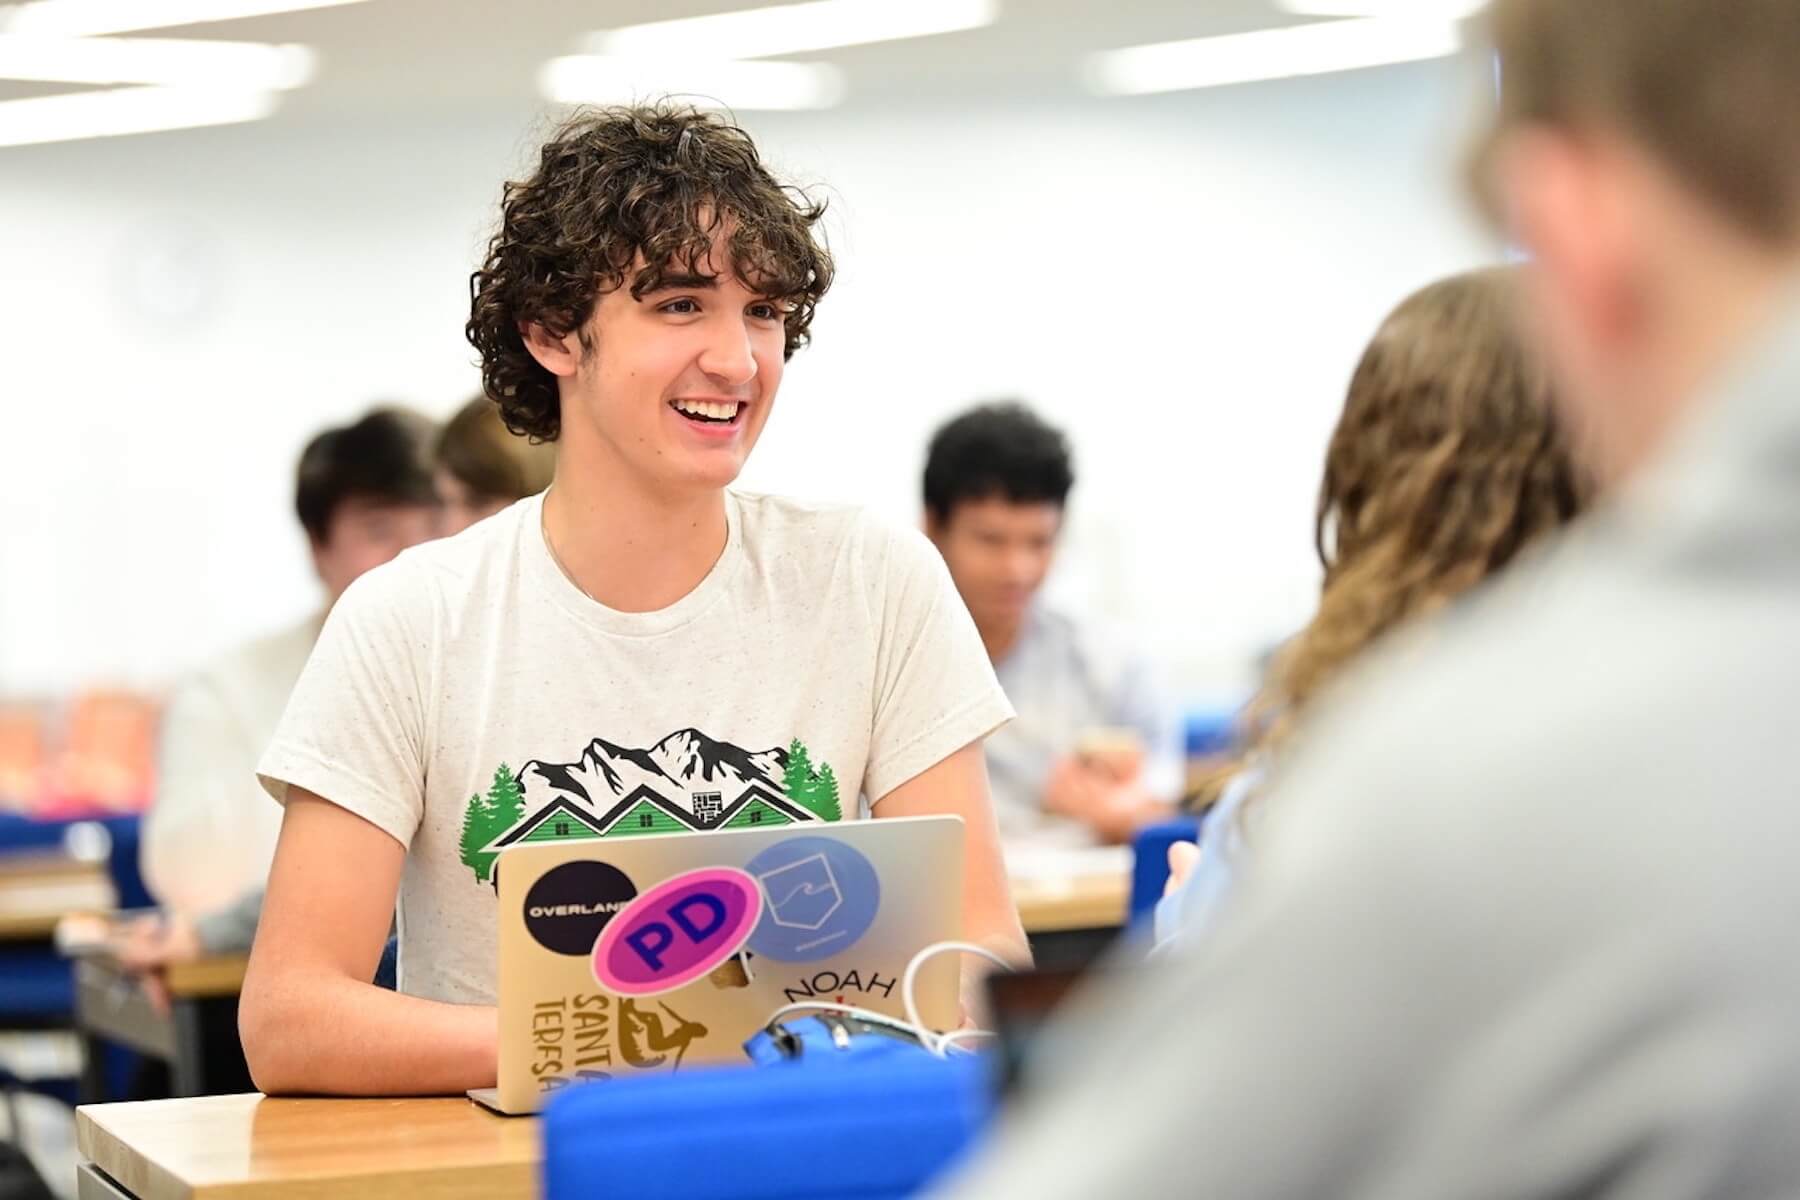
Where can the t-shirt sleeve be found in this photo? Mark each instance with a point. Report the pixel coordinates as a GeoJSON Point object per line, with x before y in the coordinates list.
{"type": "Point", "coordinates": [353, 732]}
{"type": "Point", "coordinates": [935, 691]}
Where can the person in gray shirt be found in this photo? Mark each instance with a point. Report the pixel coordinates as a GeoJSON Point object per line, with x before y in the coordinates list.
{"type": "Point", "coordinates": [1094, 752]}
{"type": "Point", "coordinates": [1518, 922]}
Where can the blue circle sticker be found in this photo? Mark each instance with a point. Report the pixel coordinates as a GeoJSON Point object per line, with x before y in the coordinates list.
{"type": "Point", "coordinates": [819, 897]}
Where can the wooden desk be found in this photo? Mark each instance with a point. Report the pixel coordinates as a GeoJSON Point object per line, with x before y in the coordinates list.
{"type": "Point", "coordinates": [37, 890]}
{"type": "Point", "coordinates": [1082, 902]}
{"type": "Point", "coordinates": [255, 1148]}
{"type": "Point", "coordinates": [197, 1037]}
{"type": "Point", "coordinates": [1071, 920]}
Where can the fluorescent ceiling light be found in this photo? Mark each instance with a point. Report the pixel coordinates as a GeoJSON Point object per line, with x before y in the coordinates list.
{"type": "Point", "coordinates": [602, 79]}
{"type": "Point", "coordinates": [1316, 49]}
{"type": "Point", "coordinates": [1430, 10]}
{"type": "Point", "coordinates": [795, 28]}
{"type": "Point", "coordinates": [87, 17]}
{"type": "Point", "coordinates": [165, 61]}
{"type": "Point", "coordinates": [125, 110]}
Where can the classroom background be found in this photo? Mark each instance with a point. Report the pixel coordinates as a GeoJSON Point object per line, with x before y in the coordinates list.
{"type": "Point", "coordinates": [1181, 280]}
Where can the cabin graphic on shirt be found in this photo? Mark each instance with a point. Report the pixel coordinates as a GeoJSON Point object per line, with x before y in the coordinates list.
{"type": "Point", "coordinates": [686, 782]}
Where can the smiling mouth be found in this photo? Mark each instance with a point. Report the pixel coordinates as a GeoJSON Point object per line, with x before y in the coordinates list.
{"type": "Point", "coordinates": [709, 412]}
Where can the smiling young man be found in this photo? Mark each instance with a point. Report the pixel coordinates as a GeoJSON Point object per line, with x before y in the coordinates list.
{"type": "Point", "coordinates": [640, 646]}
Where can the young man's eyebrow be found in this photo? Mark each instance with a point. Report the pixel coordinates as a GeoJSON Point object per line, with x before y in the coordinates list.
{"type": "Point", "coordinates": [685, 280]}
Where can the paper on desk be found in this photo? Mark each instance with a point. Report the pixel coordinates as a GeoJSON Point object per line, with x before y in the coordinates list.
{"type": "Point", "coordinates": [1045, 863]}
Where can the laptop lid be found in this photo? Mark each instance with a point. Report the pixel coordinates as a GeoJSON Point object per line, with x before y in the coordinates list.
{"type": "Point", "coordinates": [625, 955]}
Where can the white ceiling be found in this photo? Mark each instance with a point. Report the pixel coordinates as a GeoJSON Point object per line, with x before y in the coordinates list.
{"type": "Point", "coordinates": [397, 55]}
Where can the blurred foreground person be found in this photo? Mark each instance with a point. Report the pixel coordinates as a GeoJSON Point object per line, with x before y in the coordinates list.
{"type": "Point", "coordinates": [1520, 919]}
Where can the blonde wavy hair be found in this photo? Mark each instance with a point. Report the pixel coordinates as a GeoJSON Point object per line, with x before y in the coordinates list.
{"type": "Point", "coordinates": [1448, 460]}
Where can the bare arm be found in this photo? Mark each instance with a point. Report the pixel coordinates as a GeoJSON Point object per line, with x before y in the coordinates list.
{"type": "Point", "coordinates": [958, 786]}
{"type": "Point", "coordinates": [309, 1018]}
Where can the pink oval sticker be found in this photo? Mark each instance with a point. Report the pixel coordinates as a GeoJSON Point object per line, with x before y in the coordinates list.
{"type": "Point", "coordinates": [677, 931]}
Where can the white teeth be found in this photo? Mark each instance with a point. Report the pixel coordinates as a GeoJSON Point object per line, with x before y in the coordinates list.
{"type": "Point", "coordinates": [717, 410]}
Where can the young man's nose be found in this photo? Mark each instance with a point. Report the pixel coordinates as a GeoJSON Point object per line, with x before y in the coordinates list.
{"type": "Point", "coordinates": [728, 356]}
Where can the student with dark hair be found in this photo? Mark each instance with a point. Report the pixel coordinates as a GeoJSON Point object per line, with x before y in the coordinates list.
{"type": "Point", "coordinates": [482, 466]}
{"type": "Point", "coordinates": [1094, 749]}
{"type": "Point", "coordinates": [648, 282]}
{"type": "Point", "coordinates": [363, 493]}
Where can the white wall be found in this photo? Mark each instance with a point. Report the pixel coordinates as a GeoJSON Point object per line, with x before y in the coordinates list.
{"type": "Point", "coordinates": [1184, 282]}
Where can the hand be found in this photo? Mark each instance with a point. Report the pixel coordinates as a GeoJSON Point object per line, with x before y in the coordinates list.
{"type": "Point", "coordinates": [1073, 790]}
{"type": "Point", "coordinates": [147, 945]}
{"type": "Point", "coordinates": [1183, 858]}
{"type": "Point", "coordinates": [1113, 808]}
{"type": "Point", "coordinates": [151, 943]}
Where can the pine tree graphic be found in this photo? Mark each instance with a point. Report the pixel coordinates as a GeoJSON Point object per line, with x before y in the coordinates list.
{"type": "Point", "coordinates": [826, 796]}
{"type": "Point", "coordinates": [815, 791]}
{"type": "Point", "coordinates": [506, 798]}
{"type": "Point", "coordinates": [489, 816]}
{"type": "Point", "coordinates": [474, 836]}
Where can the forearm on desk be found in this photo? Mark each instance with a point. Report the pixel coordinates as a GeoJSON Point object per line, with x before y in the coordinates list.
{"type": "Point", "coordinates": [307, 1031]}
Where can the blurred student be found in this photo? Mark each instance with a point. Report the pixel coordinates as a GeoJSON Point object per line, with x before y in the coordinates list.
{"type": "Point", "coordinates": [646, 286]}
{"type": "Point", "coordinates": [1094, 750]}
{"type": "Point", "coordinates": [481, 466]}
{"type": "Point", "coordinates": [1449, 460]}
{"type": "Point", "coordinates": [363, 493]}
{"type": "Point", "coordinates": [1521, 922]}
{"type": "Point", "coordinates": [478, 468]}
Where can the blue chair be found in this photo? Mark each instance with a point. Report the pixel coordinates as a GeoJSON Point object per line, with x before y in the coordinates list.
{"type": "Point", "coordinates": [39, 984]}
{"type": "Point", "coordinates": [122, 862]}
{"type": "Point", "coordinates": [1150, 865]}
{"type": "Point", "coordinates": [1210, 729]}
{"type": "Point", "coordinates": [20, 833]}
{"type": "Point", "coordinates": [875, 1130]}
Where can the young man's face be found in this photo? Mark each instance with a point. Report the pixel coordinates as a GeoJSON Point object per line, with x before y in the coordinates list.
{"type": "Point", "coordinates": [998, 552]}
{"type": "Point", "coordinates": [673, 387]}
{"type": "Point", "coordinates": [365, 532]}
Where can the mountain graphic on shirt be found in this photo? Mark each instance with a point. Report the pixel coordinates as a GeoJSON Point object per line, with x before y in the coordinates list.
{"type": "Point", "coordinates": [688, 781]}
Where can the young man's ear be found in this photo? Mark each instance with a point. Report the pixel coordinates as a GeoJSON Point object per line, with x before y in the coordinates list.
{"type": "Point", "coordinates": [1563, 200]}
{"type": "Point", "coordinates": [557, 355]}
{"type": "Point", "coordinates": [934, 527]}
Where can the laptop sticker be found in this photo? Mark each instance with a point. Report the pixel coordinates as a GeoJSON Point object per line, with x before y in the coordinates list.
{"type": "Point", "coordinates": [820, 897]}
{"type": "Point", "coordinates": [677, 931]}
{"type": "Point", "coordinates": [647, 1036]}
{"type": "Point", "coordinates": [568, 907]}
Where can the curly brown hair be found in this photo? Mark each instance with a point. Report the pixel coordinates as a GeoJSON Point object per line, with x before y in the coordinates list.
{"type": "Point", "coordinates": [654, 182]}
{"type": "Point", "coordinates": [1449, 459]}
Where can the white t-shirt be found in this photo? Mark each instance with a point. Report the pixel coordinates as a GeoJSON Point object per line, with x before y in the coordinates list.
{"type": "Point", "coordinates": [469, 695]}
{"type": "Point", "coordinates": [210, 835]}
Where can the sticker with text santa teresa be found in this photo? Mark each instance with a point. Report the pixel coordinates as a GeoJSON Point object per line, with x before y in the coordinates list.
{"type": "Point", "coordinates": [677, 931]}
{"type": "Point", "coordinates": [821, 896]}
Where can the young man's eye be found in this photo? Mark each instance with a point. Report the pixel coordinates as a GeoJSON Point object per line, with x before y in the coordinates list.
{"type": "Point", "coordinates": [767, 312]}
{"type": "Point", "coordinates": [682, 307]}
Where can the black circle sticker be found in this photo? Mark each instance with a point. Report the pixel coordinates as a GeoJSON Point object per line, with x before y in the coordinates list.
{"type": "Point", "coordinates": [567, 908]}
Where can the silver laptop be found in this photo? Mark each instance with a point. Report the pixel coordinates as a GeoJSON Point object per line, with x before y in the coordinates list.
{"type": "Point", "coordinates": [620, 956]}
